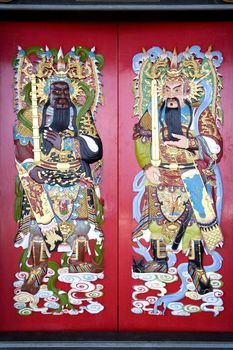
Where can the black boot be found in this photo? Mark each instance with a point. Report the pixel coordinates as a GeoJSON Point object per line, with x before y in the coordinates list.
{"type": "Point", "coordinates": [196, 270]}
{"type": "Point", "coordinates": [159, 263]}
{"type": "Point", "coordinates": [138, 265]}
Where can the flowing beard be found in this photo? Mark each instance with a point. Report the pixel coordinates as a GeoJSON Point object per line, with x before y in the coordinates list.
{"type": "Point", "coordinates": [173, 122]}
{"type": "Point", "coordinates": [61, 119]}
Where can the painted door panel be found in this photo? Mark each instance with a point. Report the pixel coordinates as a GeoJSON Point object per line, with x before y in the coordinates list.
{"type": "Point", "coordinates": [132, 38]}
{"type": "Point", "coordinates": [103, 37]}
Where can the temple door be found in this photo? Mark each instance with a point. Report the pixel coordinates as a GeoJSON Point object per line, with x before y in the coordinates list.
{"type": "Point", "coordinates": [169, 36]}
{"type": "Point", "coordinates": [55, 35]}
{"type": "Point", "coordinates": [118, 44]}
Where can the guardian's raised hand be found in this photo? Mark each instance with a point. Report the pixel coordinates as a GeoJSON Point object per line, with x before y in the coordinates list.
{"type": "Point", "coordinates": [53, 137]}
{"type": "Point", "coordinates": [183, 142]}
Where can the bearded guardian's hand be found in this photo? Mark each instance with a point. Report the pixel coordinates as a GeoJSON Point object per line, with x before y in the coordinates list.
{"type": "Point", "coordinates": [183, 142]}
{"type": "Point", "coordinates": [36, 176]}
{"type": "Point", "coordinates": [53, 137]}
{"type": "Point", "coordinates": [152, 174]}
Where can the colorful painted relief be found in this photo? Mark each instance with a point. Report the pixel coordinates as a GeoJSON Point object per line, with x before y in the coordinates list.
{"type": "Point", "coordinates": [179, 190]}
{"type": "Point", "coordinates": [58, 205]}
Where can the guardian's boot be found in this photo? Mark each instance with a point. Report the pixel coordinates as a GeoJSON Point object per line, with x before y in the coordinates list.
{"type": "Point", "coordinates": [39, 253]}
{"type": "Point", "coordinates": [159, 262]}
{"type": "Point", "coordinates": [77, 261]}
{"type": "Point", "coordinates": [195, 268]}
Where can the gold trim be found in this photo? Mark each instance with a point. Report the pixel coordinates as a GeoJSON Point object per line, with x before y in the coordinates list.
{"type": "Point", "coordinates": [156, 163]}
{"type": "Point", "coordinates": [63, 166]}
{"type": "Point", "coordinates": [191, 250]}
{"type": "Point", "coordinates": [173, 166]}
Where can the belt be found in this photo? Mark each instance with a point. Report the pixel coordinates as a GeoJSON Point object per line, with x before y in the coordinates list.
{"type": "Point", "coordinates": [60, 166]}
{"type": "Point", "coordinates": [176, 166]}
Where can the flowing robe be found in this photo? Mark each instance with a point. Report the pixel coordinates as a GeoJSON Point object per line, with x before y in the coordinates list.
{"type": "Point", "coordinates": [169, 212]}
{"type": "Point", "coordinates": [66, 202]}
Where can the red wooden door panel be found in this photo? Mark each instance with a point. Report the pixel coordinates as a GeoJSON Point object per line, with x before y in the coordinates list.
{"type": "Point", "coordinates": [132, 38]}
{"type": "Point", "coordinates": [66, 35]}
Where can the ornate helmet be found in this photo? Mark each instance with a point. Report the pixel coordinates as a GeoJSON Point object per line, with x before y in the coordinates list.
{"type": "Point", "coordinates": [79, 68]}
{"type": "Point", "coordinates": [196, 69]}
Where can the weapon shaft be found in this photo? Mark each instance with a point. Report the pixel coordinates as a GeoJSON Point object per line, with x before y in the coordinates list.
{"type": "Point", "coordinates": [35, 122]}
{"type": "Point", "coordinates": [155, 152]}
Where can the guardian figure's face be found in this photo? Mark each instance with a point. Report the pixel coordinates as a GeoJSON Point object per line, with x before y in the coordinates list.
{"type": "Point", "coordinates": [59, 96]}
{"type": "Point", "coordinates": [174, 90]}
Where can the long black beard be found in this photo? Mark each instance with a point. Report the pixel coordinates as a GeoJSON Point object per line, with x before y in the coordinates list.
{"type": "Point", "coordinates": [61, 119]}
{"type": "Point", "coordinates": [173, 121]}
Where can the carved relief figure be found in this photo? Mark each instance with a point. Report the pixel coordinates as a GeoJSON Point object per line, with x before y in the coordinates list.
{"type": "Point", "coordinates": [58, 204]}
{"type": "Point", "coordinates": [178, 146]}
